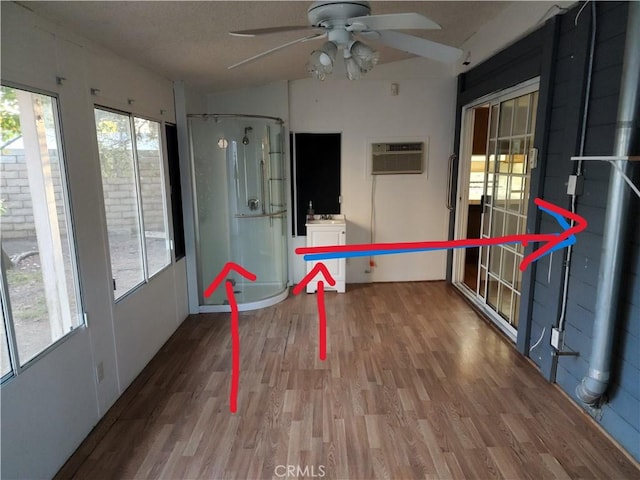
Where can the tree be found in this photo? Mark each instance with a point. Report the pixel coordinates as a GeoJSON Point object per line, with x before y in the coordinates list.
{"type": "Point", "coordinates": [9, 115]}
{"type": "Point", "coordinates": [9, 130]}
{"type": "Point", "coordinates": [114, 144]}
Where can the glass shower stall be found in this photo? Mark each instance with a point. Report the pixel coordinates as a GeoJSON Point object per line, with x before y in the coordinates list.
{"type": "Point", "coordinates": [240, 205]}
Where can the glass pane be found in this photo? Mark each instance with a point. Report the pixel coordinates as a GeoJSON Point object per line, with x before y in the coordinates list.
{"type": "Point", "coordinates": [503, 156]}
{"type": "Point", "coordinates": [511, 224]}
{"type": "Point", "coordinates": [491, 154]}
{"type": "Point", "coordinates": [493, 130]}
{"type": "Point", "coordinates": [519, 163]}
{"type": "Point", "coordinates": [501, 191]}
{"type": "Point", "coordinates": [154, 210]}
{"type": "Point", "coordinates": [518, 145]}
{"type": "Point", "coordinates": [492, 292]}
{"type": "Point", "coordinates": [120, 199]}
{"type": "Point", "coordinates": [494, 259]}
{"type": "Point", "coordinates": [504, 308]}
{"type": "Point", "coordinates": [488, 198]}
{"type": "Point", "coordinates": [516, 194]}
{"type": "Point", "coordinates": [36, 237]}
{"type": "Point", "coordinates": [533, 112]}
{"type": "Point", "coordinates": [508, 262]}
{"type": "Point", "coordinates": [486, 220]}
{"type": "Point", "coordinates": [5, 363]}
{"type": "Point", "coordinates": [522, 115]}
{"type": "Point", "coordinates": [525, 196]}
{"type": "Point", "coordinates": [482, 284]}
{"type": "Point", "coordinates": [506, 117]}
{"type": "Point", "coordinates": [515, 315]}
{"type": "Point", "coordinates": [484, 256]}
{"type": "Point", "coordinates": [517, 277]}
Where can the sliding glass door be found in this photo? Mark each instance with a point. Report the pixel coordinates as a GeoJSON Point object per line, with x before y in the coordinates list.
{"type": "Point", "coordinates": [501, 209]}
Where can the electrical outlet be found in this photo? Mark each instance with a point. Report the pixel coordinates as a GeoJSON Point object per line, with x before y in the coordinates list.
{"type": "Point", "coordinates": [557, 338]}
{"type": "Point", "coordinates": [100, 372]}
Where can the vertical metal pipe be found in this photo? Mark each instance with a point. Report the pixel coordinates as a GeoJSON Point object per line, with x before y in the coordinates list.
{"type": "Point", "coordinates": [593, 386]}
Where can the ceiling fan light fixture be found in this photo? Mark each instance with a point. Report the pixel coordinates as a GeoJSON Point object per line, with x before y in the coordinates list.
{"type": "Point", "coordinates": [321, 61]}
{"type": "Point", "coordinates": [364, 56]}
{"type": "Point", "coordinates": [338, 22]}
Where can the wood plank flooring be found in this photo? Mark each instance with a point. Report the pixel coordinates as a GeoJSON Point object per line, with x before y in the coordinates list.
{"type": "Point", "coordinates": [415, 385]}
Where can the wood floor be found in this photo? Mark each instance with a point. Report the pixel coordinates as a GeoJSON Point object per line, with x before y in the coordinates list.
{"type": "Point", "coordinates": [415, 385]}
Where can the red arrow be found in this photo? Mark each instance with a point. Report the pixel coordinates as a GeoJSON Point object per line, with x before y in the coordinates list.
{"type": "Point", "coordinates": [235, 336]}
{"type": "Point", "coordinates": [322, 324]}
{"type": "Point", "coordinates": [223, 275]}
{"type": "Point", "coordinates": [550, 242]}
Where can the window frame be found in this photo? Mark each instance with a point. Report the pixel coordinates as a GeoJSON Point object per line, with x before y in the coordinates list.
{"type": "Point", "coordinates": [146, 277]}
{"type": "Point", "coordinates": [5, 302]}
{"type": "Point", "coordinates": [166, 190]}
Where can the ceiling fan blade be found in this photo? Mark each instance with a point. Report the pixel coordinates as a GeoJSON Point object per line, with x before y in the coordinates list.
{"type": "Point", "coordinates": [420, 46]}
{"type": "Point", "coordinates": [392, 21]}
{"type": "Point", "coordinates": [268, 31]}
{"type": "Point", "coordinates": [275, 49]}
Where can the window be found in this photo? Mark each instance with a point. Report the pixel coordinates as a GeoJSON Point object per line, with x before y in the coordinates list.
{"type": "Point", "coordinates": [134, 197]}
{"type": "Point", "coordinates": [39, 287]}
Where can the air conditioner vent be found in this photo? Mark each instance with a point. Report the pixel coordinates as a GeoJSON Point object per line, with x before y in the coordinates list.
{"type": "Point", "coordinates": [397, 158]}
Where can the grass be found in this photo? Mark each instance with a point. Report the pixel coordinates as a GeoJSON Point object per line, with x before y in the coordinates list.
{"type": "Point", "coordinates": [27, 298]}
{"type": "Point", "coordinates": [17, 278]}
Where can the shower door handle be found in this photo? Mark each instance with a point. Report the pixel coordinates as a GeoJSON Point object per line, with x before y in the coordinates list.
{"type": "Point", "coordinates": [262, 182]}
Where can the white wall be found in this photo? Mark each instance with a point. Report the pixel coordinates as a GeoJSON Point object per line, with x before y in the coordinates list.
{"type": "Point", "coordinates": [49, 408]}
{"type": "Point", "coordinates": [270, 100]}
{"type": "Point", "coordinates": [408, 207]}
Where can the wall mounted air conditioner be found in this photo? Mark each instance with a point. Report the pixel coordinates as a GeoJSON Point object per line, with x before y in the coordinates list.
{"type": "Point", "coordinates": [397, 158]}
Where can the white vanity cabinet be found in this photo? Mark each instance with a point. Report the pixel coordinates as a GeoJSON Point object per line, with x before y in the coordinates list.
{"type": "Point", "coordinates": [323, 233]}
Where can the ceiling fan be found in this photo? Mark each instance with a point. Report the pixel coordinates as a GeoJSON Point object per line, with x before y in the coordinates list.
{"type": "Point", "coordinates": [343, 23]}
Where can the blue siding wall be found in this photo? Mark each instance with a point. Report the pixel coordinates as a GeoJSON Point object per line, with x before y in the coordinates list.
{"type": "Point", "coordinates": [559, 53]}
{"type": "Point", "coordinates": [620, 416]}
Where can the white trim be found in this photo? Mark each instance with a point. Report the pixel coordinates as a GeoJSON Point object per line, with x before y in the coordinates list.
{"type": "Point", "coordinates": [188, 207]}
{"type": "Point", "coordinates": [529, 86]}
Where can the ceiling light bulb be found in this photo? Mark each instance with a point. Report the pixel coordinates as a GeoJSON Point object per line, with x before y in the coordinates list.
{"type": "Point", "coordinates": [329, 50]}
{"type": "Point", "coordinates": [315, 66]}
{"type": "Point", "coordinates": [325, 59]}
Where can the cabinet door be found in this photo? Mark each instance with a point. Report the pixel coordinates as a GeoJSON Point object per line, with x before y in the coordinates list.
{"type": "Point", "coordinates": [326, 236]}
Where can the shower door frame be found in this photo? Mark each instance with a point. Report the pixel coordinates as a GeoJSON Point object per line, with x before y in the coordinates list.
{"type": "Point", "coordinates": [192, 236]}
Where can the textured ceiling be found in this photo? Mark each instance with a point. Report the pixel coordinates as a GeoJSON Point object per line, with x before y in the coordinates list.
{"type": "Point", "coordinates": [189, 40]}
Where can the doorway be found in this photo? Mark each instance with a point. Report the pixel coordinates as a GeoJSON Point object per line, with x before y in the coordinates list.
{"type": "Point", "coordinates": [493, 185]}
{"type": "Point", "coordinates": [315, 168]}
